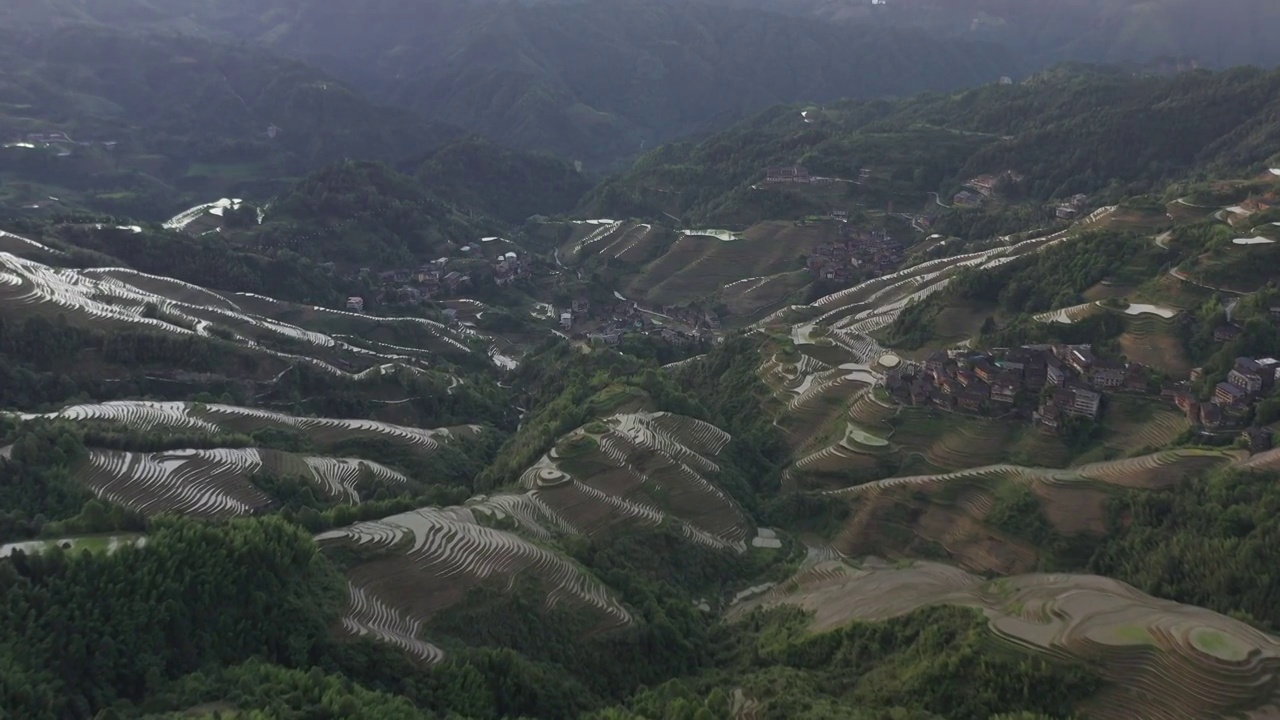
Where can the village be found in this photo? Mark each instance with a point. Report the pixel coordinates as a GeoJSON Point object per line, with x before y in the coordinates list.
{"type": "Point", "coordinates": [441, 278]}
{"type": "Point", "coordinates": [1052, 385]}
{"type": "Point", "coordinates": [1043, 383]}
{"type": "Point", "coordinates": [599, 323]}
{"type": "Point", "coordinates": [859, 252]}
{"type": "Point", "coordinates": [607, 323]}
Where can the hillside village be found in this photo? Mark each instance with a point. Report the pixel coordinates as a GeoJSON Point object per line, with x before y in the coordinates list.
{"type": "Point", "coordinates": [1044, 383]}
{"type": "Point", "coordinates": [1051, 385]}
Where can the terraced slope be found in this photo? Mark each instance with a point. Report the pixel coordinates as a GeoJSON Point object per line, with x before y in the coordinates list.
{"type": "Point", "coordinates": [948, 512]}
{"type": "Point", "coordinates": [874, 304]}
{"type": "Point", "coordinates": [1157, 470]}
{"type": "Point", "coordinates": [120, 297]}
{"type": "Point", "coordinates": [218, 483]}
{"type": "Point", "coordinates": [1165, 660]}
{"type": "Point", "coordinates": [150, 416]}
{"type": "Point", "coordinates": [701, 265]}
{"type": "Point", "coordinates": [610, 240]}
{"type": "Point", "coordinates": [428, 560]}
{"type": "Point", "coordinates": [642, 469]}
{"type": "Point", "coordinates": [1152, 340]}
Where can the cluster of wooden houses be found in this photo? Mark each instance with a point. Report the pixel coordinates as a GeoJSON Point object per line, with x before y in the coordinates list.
{"type": "Point", "coordinates": [1014, 381]}
{"type": "Point", "coordinates": [427, 282]}
{"type": "Point", "coordinates": [1233, 399]}
{"type": "Point", "coordinates": [1072, 207]}
{"type": "Point", "coordinates": [984, 187]}
{"type": "Point", "coordinates": [608, 324]}
{"type": "Point", "coordinates": [858, 252]}
{"type": "Point", "coordinates": [787, 174]}
{"type": "Point", "coordinates": [510, 267]}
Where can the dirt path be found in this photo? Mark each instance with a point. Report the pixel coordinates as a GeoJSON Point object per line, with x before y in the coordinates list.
{"type": "Point", "coordinates": [1179, 275]}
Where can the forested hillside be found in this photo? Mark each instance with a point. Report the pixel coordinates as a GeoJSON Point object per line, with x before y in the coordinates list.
{"type": "Point", "coordinates": [1169, 32]}
{"type": "Point", "coordinates": [596, 82]}
{"type": "Point", "coordinates": [1068, 130]}
{"type": "Point", "coordinates": [131, 125]}
{"type": "Point", "coordinates": [955, 406]}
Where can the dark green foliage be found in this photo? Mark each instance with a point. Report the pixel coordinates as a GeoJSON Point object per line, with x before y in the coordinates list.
{"type": "Point", "coordinates": [1209, 542]}
{"type": "Point", "coordinates": [257, 690]}
{"type": "Point", "coordinates": [605, 80]}
{"type": "Point", "coordinates": [508, 185]}
{"type": "Point", "coordinates": [1056, 277]}
{"type": "Point", "coordinates": [209, 261]}
{"type": "Point", "coordinates": [1100, 330]}
{"type": "Point", "coordinates": [805, 512]}
{"type": "Point", "coordinates": [1018, 512]}
{"type": "Point", "coordinates": [39, 495]}
{"type": "Point", "coordinates": [100, 628]}
{"type": "Point", "coordinates": [932, 663]}
{"type": "Point", "coordinates": [913, 328]}
{"type": "Point", "coordinates": [189, 118]}
{"type": "Point", "coordinates": [727, 383]}
{"type": "Point", "coordinates": [1259, 337]}
{"type": "Point", "coordinates": [362, 214]}
{"type": "Point", "coordinates": [1076, 129]}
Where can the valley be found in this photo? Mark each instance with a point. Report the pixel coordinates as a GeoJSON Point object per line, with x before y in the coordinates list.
{"type": "Point", "coordinates": [959, 404]}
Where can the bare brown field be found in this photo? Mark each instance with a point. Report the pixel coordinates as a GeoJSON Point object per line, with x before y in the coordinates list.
{"type": "Point", "coordinates": [1163, 660]}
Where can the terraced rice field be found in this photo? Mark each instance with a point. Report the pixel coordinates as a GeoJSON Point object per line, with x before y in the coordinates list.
{"type": "Point", "coordinates": [18, 245]}
{"type": "Point", "coordinates": [198, 483]}
{"type": "Point", "coordinates": [179, 416]}
{"type": "Point", "coordinates": [1157, 429]}
{"type": "Point", "coordinates": [594, 239]}
{"type": "Point", "coordinates": [852, 314]}
{"type": "Point", "coordinates": [816, 402]}
{"type": "Point", "coordinates": [750, 297]}
{"type": "Point", "coordinates": [698, 265]}
{"type": "Point", "coordinates": [1148, 471]}
{"type": "Point", "coordinates": [1040, 446]}
{"type": "Point", "coordinates": [1068, 315]}
{"type": "Point", "coordinates": [431, 558]}
{"type": "Point", "coordinates": [634, 245]}
{"type": "Point", "coordinates": [973, 443]}
{"type": "Point", "coordinates": [1164, 660]}
{"type": "Point", "coordinates": [123, 297]}
{"type": "Point", "coordinates": [1152, 340]}
{"type": "Point", "coordinates": [645, 469]}
{"type": "Point", "coordinates": [871, 412]}
{"type": "Point", "coordinates": [218, 483]}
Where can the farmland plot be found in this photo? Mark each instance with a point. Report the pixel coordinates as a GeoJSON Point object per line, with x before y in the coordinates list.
{"type": "Point", "coordinates": [642, 470]}
{"type": "Point", "coordinates": [151, 416]}
{"type": "Point", "coordinates": [429, 559]}
{"type": "Point", "coordinates": [219, 483]}
{"type": "Point", "coordinates": [1163, 659]}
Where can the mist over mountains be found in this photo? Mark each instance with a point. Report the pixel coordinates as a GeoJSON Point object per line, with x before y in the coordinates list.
{"type": "Point", "coordinates": [602, 81]}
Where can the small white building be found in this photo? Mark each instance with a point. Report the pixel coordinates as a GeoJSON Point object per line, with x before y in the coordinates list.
{"type": "Point", "coordinates": [566, 320]}
{"type": "Point", "coordinates": [355, 304]}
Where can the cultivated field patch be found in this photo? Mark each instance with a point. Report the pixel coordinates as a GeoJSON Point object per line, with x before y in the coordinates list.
{"type": "Point", "coordinates": [427, 560]}
{"type": "Point", "coordinates": [1162, 659]}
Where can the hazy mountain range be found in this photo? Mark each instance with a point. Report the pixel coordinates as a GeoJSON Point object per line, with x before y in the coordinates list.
{"type": "Point", "coordinates": [604, 80]}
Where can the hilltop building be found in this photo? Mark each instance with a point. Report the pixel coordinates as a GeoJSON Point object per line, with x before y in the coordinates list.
{"type": "Point", "coordinates": [788, 174]}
